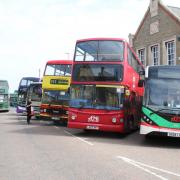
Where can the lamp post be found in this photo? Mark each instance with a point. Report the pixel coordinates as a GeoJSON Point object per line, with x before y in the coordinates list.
{"type": "Point", "coordinates": [39, 73]}
{"type": "Point", "coordinates": [67, 55]}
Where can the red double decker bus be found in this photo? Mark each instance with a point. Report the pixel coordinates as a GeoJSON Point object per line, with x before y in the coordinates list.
{"type": "Point", "coordinates": [106, 86]}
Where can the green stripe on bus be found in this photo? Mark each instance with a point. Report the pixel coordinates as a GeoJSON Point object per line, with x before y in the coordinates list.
{"type": "Point", "coordinates": [159, 120]}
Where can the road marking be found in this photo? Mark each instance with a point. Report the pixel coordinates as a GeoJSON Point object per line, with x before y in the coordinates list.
{"type": "Point", "coordinates": [140, 165]}
{"type": "Point", "coordinates": [81, 139]}
{"type": "Point", "coordinates": [56, 127]}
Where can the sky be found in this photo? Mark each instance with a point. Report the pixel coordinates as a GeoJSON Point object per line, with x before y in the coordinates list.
{"type": "Point", "coordinates": [33, 32]}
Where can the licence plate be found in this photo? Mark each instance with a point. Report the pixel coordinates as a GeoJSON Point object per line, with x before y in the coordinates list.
{"type": "Point", "coordinates": [55, 118]}
{"type": "Point", "coordinates": [92, 127]}
{"type": "Point", "coordinates": [172, 134]}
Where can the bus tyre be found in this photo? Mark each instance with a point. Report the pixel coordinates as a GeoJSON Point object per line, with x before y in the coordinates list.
{"type": "Point", "coordinates": [87, 130]}
{"type": "Point", "coordinates": [147, 137]}
{"type": "Point", "coordinates": [135, 124]}
{"type": "Point", "coordinates": [127, 126]}
{"type": "Point", "coordinates": [37, 117]}
{"type": "Point", "coordinates": [131, 125]}
{"type": "Point", "coordinates": [55, 122]}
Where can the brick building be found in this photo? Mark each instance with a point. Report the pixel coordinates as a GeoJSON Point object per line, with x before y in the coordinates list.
{"type": "Point", "coordinates": [157, 39]}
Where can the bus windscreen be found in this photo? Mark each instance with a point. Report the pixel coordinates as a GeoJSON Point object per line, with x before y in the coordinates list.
{"type": "Point", "coordinates": [170, 73]}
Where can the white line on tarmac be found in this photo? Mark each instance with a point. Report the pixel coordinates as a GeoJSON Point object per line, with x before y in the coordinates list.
{"type": "Point", "coordinates": [139, 165]}
{"type": "Point", "coordinates": [81, 139]}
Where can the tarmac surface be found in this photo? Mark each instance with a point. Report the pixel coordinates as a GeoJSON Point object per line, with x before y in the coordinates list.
{"type": "Point", "coordinates": [44, 151]}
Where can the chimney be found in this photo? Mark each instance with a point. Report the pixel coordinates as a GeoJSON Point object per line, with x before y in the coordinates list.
{"type": "Point", "coordinates": [154, 7]}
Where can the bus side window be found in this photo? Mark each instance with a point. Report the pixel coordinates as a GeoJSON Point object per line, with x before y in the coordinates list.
{"type": "Point", "coordinates": [133, 61]}
{"type": "Point", "coordinates": [129, 57]}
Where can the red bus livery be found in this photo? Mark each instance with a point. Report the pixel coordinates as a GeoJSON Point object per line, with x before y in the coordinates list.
{"type": "Point", "coordinates": [106, 90]}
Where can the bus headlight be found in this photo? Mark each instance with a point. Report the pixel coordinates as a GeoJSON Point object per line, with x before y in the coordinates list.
{"type": "Point", "coordinates": [146, 118]}
{"type": "Point", "coordinates": [73, 116]}
{"type": "Point", "coordinates": [114, 120]}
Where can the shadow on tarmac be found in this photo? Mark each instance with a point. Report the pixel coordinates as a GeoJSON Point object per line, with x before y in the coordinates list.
{"type": "Point", "coordinates": [161, 142]}
{"type": "Point", "coordinates": [132, 139]}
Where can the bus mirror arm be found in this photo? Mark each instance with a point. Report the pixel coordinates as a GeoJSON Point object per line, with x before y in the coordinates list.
{"type": "Point", "coordinates": [141, 78]}
{"type": "Point", "coordinates": [142, 73]}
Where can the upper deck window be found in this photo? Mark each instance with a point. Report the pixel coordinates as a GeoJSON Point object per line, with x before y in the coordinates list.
{"type": "Point", "coordinates": [104, 50]}
{"type": "Point", "coordinates": [98, 72]}
{"type": "Point", "coordinates": [23, 82]}
{"type": "Point", "coordinates": [58, 70]}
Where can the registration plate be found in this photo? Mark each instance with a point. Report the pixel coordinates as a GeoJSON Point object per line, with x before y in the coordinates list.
{"type": "Point", "coordinates": [172, 134]}
{"type": "Point", "coordinates": [92, 127]}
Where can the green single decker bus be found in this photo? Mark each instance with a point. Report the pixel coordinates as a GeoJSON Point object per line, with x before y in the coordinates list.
{"type": "Point", "coordinates": [161, 103]}
{"type": "Point", "coordinates": [4, 95]}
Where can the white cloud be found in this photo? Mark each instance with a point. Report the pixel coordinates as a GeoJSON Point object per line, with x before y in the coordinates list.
{"type": "Point", "coordinates": [83, 3]}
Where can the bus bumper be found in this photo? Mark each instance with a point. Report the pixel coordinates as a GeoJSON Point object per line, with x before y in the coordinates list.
{"type": "Point", "coordinates": [149, 129]}
{"type": "Point", "coordinates": [50, 117]}
{"type": "Point", "coordinates": [97, 127]}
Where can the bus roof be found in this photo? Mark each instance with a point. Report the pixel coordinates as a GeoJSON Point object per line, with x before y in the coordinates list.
{"type": "Point", "coordinates": [59, 62]}
{"type": "Point", "coordinates": [30, 78]}
{"type": "Point", "coordinates": [96, 39]}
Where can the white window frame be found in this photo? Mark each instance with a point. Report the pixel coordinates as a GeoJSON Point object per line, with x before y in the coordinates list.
{"type": "Point", "coordinates": [155, 55]}
{"type": "Point", "coordinates": [170, 51]}
{"type": "Point", "coordinates": [165, 52]}
{"type": "Point", "coordinates": [151, 54]}
{"type": "Point", "coordinates": [143, 49]}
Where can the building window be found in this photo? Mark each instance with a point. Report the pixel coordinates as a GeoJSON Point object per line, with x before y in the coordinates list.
{"type": "Point", "coordinates": [141, 55]}
{"type": "Point", "coordinates": [170, 49]}
{"type": "Point", "coordinates": [155, 55]}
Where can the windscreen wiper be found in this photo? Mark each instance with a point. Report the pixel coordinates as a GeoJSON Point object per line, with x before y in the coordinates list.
{"type": "Point", "coordinates": [81, 105]}
{"type": "Point", "coordinates": [172, 109]}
